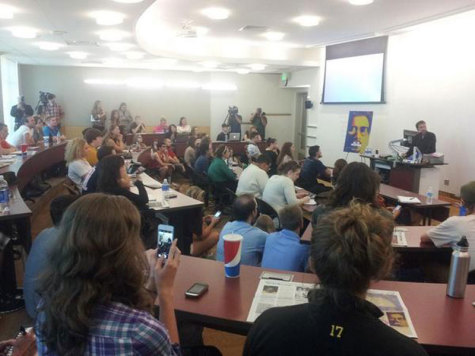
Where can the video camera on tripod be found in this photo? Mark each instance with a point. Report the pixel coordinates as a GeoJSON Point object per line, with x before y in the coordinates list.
{"type": "Point", "coordinates": [42, 102]}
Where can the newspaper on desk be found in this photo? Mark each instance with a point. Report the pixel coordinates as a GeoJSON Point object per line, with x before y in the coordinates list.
{"type": "Point", "coordinates": [272, 293]}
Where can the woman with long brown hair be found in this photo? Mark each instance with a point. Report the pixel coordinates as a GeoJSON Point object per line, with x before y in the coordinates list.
{"type": "Point", "coordinates": [115, 117]}
{"type": "Point", "coordinates": [113, 138]}
{"type": "Point", "coordinates": [99, 116]}
{"type": "Point", "coordinates": [94, 296]}
{"type": "Point", "coordinates": [286, 153]}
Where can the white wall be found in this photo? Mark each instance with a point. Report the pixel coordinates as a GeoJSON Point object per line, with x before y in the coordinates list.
{"type": "Point", "coordinates": [430, 76]}
{"type": "Point", "coordinates": [203, 108]}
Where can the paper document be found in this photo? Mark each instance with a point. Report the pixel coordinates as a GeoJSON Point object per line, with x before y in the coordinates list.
{"type": "Point", "coordinates": [272, 293]}
{"type": "Point", "coordinates": [149, 181]}
{"type": "Point", "coordinates": [399, 238]}
{"type": "Point", "coordinates": [408, 200]}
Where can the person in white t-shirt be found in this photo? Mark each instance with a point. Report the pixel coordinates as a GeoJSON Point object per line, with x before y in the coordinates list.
{"type": "Point", "coordinates": [253, 150]}
{"type": "Point", "coordinates": [451, 230]}
{"type": "Point", "coordinates": [183, 127]}
{"type": "Point", "coordinates": [75, 156]}
{"type": "Point", "coordinates": [254, 178]}
{"type": "Point", "coordinates": [24, 134]}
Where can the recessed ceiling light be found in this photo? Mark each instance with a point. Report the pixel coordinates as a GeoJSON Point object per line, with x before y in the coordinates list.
{"type": "Point", "coordinates": [360, 2]}
{"type": "Point", "coordinates": [112, 35]}
{"type": "Point", "coordinates": [78, 55]}
{"type": "Point", "coordinates": [273, 36]}
{"type": "Point", "coordinates": [243, 71]}
{"type": "Point", "coordinates": [134, 55]}
{"type": "Point", "coordinates": [108, 18]}
{"type": "Point", "coordinates": [210, 64]}
{"type": "Point", "coordinates": [128, 1]}
{"type": "Point", "coordinates": [49, 46]}
{"type": "Point", "coordinates": [119, 46]}
{"type": "Point", "coordinates": [307, 21]}
{"type": "Point", "coordinates": [23, 32]}
{"type": "Point", "coordinates": [257, 66]}
{"type": "Point", "coordinates": [6, 11]}
{"type": "Point", "coordinates": [216, 13]}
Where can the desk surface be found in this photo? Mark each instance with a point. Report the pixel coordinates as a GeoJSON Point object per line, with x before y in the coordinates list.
{"type": "Point", "coordinates": [413, 237]}
{"type": "Point", "coordinates": [441, 322]}
{"type": "Point", "coordinates": [392, 193]}
{"type": "Point", "coordinates": [18, 208]}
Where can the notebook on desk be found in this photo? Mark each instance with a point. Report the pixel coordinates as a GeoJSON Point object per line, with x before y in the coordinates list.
{"type": "Point", "coordinates": [408, 200]}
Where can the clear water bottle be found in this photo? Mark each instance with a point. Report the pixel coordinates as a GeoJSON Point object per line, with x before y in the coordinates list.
{"type": "Point", "coordinates": [459, 266]}
{"type": "Point", "coordinates": [58, 137]}
{"type": "Point", "coordinates": [4, 195]}
{"type": "Point", "coordinates": [429, 195]}
{"type": "Point", "coordinates": [165, 189]}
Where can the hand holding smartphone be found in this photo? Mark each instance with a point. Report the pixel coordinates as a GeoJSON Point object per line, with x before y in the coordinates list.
{"type": "Point", "coordinates": [164, 240]}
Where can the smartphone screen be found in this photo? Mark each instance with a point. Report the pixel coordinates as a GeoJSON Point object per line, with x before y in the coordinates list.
{"type": "Point", "coordinates": [165, 238]}
{"type": "Point", "coordinates": [218, 214]}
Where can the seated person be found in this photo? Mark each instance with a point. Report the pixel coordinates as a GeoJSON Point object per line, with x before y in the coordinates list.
{"type": "Point", "coordinates": [283, 249]}
{"type": "Point", "coordinates": [40, 249]}
{"type": "Point", "coordinates": [204, 152]}
{"type": "Point", "coordinates": [350, 248]}
{"type": "Point", "coordinates": [247, 133]}
{"type": "Point", "coordinates": [113, 138]}
{"type": "Point", "coordinates": [209, 236]}
{"type": "Point", "coordinates": [162, 128]}
{"type": "Point", "coordinates": [95, 290]}
{"type": "Point", "coordinates": [265, 223]}
{"type": "Point", "coordinates": [178, 166]}
{"type": "Point", "coordinates": [89, 184]}
{"type": "Point", "coordinates": [223, 136]}
{"type": "Point", "coordinates": [52, 130]}
{"type": "Point", "coordinates": [337, 168]}
{"type": "Point", "coordinates": [75, 157]}
{"type": "Point", "coordinates": [190, 151]}
{"type": "Point", "coordinates": [113, 179]}
{"type": "Point", "coordinates": [5, 147]}
{"type": "Point", "coordinates": [183, 127]}
{"type": "Point", "coordinates": [272, 152]}
{"type": "Point", "coordinates": [286, 154]}
{"type": "Point", "coordinates": [254, 178]}
{"type": "Point", "coordinates": [253, 150]}
{"type": "Point", "coordinates": [451, 230]}
{"type": "Point", "coordinates": [244, 214]}
{"type": "Point", "coordinates": [356, 181]}
{"type": "Point", "coordinates": [38, 129]}
{"type": "Point", "coordinates": [137, 126]}
{"type": "Point", "coordinates": [280, 190]}
{"type": "Point", "coordinates": [24, 134]}
{"type": "Point", "coordinates": [219, 172]}
{"type": "Point", "coordinates": [162, 162]}
{"type": "Point", "coordinates": [312, 170]}
{"type": "Point", "coordinates": [93, 138]}
{"type": "Point", "coordinates": [171, 133]}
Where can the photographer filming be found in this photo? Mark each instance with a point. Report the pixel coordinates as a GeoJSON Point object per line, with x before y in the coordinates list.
{"type": "Point", "coordinates": [259, 120]}
{"type": "Point", "coordinates": [19, 111]}
{"type": "Point", "coordinates": [234, 120]}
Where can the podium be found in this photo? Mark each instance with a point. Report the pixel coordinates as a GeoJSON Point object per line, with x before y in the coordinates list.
{"type": "Point", "coordinates": [416, 178]}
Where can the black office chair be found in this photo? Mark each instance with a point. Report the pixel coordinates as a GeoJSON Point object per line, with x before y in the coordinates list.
{"type": "Point", "coordinates": [265, 208]}
{"type": "Point", "coordinates": [202, 181]}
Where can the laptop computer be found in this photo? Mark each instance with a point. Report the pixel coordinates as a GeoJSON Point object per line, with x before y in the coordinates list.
{"type": "Point", "coordinates": [234, 136]}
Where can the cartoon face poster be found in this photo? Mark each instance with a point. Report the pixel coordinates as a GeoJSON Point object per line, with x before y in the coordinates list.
{"type": "Point", "coordinates": [358, 131]}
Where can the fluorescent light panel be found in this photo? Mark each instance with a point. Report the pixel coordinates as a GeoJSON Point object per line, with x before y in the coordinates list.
{"type": "Point", "coordinates": [273, 36]}
{"type": "Point", "coordinates": [307, 20]}
{"type": "Point", "coordinates": [108, 18]}
{"type": "Point", "coordinates": [150, 83]}
{"type": "Point", "coordinates": [216, 13]}
{"type": "Point", "coordinates": [49, 46]}
{"type": "Point", "coordinates": [23, 32]}
{"type": "Point", "coordinates": [78, 55]}
{"type": "Point", "coordinates": [6, 11]}
{"type": "Point", "coordinates": [360, 2]}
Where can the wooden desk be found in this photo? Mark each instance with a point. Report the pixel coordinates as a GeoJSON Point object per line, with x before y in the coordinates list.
{"type": "Point", "coordinates": [238, 147]}
{"type": "Point", "coordinates": [438, 210]}
{"type": "Point", "coordinates": [443, 324]}
{"type": "Point", "coordinates": [148, 138]}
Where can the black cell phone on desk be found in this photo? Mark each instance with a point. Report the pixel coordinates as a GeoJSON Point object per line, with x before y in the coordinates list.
{"type": "Point", "coordinates": [164, 240]}
{"type": "Point", "coordinates": [196, 290]}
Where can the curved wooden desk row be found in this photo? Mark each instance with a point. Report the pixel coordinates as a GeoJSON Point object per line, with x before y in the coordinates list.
{"type": "Point", "coordinates": [442, 323]}
{"type": "Point", "coordinates": [238, 147]}
{"type": "Point", "coordinates": [30, 166]}
{"type": "Point", "coordinates": [148, 138]}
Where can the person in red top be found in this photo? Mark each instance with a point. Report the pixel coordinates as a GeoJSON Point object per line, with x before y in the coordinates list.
{"type": "Point", "coordinates": [5, 147]}
{"type": "Point", "coordinates": [173, 157]}
{"type": "Point", "coordinates": [161, 162]}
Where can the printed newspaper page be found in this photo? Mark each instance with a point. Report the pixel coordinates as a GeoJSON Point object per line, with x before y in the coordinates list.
{"type": "Point", "coordinates": [271, 293]}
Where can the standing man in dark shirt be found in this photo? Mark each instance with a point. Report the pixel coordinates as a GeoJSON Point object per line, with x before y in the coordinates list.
{"type": "Point", "coordinates": [259, 120]}
{"type": "Point", "coordinates": [234, 120]}
{"type": "Point", "coordinates": [19, 111]}
{"type": "Point", "coordinates": [312, 170]}
{"type": "Point", "coordinates": [424, 140]}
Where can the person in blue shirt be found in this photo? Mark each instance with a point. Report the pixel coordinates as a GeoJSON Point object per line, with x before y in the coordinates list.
{"type": "Point", "coordinates": [52, 129]}
{"type": "Point", "coordinates": [244, 211]}
{"type": "Point", "coordinates": [283, 249]}
{"type": "Point", "coordinates": [38, 257]}
{"type": "Point", "coordinates": [313, 169]}
{"type": "Point", "coordinates": [202, 162]}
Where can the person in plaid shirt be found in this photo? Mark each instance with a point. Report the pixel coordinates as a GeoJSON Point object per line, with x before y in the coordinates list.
{"type": "Point", "coordinates": [54, 109]}
{"type": "Point", "coordinates": [95, 296]}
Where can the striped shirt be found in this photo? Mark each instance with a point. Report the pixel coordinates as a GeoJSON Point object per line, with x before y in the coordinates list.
{"type": "Point", "coordinates": [117, 329]}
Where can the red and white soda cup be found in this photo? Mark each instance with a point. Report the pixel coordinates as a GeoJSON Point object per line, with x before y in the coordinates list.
{"type": "Point", "coordinates": [232, 255]}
